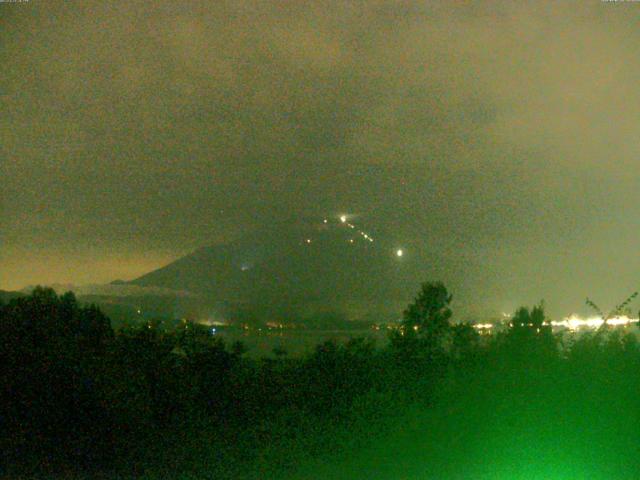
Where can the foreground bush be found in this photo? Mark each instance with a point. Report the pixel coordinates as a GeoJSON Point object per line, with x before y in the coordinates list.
{"type": "Point", "coordinates": [436, 402]}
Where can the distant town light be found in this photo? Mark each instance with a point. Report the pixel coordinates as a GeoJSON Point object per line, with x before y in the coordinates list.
{"type": "Point", "coordinates": [399, 252]}
{"type": "Point", "coordinates": [343, 218]}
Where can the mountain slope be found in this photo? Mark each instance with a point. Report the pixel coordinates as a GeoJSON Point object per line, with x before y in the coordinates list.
{"type": "Point", "coordinates": [292, 270]}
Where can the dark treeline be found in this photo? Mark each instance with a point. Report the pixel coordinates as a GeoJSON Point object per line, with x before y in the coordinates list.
{"type": "Point", "coordinates": [437, 401]}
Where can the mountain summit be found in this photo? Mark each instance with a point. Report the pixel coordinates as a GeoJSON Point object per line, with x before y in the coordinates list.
{"type": "Point", "coordinates": [292, 270]}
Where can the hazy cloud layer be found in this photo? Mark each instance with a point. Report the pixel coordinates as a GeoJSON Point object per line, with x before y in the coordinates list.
{"type": "Point", "coordinates": [499, 142]}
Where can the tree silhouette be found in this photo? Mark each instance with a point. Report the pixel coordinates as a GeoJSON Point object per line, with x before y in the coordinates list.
{"type": "Point", "coordinates": [429, 313]}
{"type": "Point", "coordinates": [529, 334]}
{"type": "Point", "coordinates": [465, 341]}
{"type": "Point", "coordinates": [421, 343]}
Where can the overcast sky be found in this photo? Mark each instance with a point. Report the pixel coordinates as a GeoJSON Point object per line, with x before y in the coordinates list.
{"type": "Point", "coordinates": [498, 142]}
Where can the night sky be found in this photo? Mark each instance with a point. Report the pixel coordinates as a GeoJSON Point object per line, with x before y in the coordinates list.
{"type": "Point", "coordinates": [498, 144]}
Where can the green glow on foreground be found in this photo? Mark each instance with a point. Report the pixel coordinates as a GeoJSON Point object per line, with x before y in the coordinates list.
{"type": "Point", "coordinates": [551, 425]}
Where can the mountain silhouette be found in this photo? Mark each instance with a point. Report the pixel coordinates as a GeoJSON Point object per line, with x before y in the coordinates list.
{"type": "Point", "coordinates": [292, 270]}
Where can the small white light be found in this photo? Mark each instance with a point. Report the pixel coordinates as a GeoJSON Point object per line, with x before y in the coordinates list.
{"type": "Point", "coordinates": [343, 218]}
{"type": "Point", "coordinates": [399, 252]}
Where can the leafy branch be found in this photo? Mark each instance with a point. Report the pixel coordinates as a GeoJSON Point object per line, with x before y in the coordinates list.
{"type": "Point", "coordinates": [616, 312]}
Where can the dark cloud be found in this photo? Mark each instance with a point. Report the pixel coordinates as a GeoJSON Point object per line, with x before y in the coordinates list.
{"type": "Point", "coordinates": [498, 141]}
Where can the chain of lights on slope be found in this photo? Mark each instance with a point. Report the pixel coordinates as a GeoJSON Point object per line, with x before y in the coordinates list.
{"type": "Point", "coordinates": [343, 219]}
{"type": "Point", "coordinates": [366, 236]}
